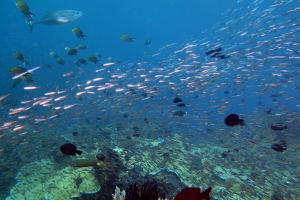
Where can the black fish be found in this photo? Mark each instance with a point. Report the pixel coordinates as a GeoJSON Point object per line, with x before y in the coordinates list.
{"type": "Point", "coordinates": [275, 95]}
{"type": "Point", "coordinates": [135, 128]}
{"type": "Point", "coordinates": [223, 57]}
{"type": "Point", "coordinates": [180, 105]}
{"type": "Point", "coordinates": [147, 42]}
{"type": "Point", "coordinates": [216, 54]}
{"type": "Point", "coordinates": [100, 156]}
{"type": "Point", "coordinates": [226, 92]}
{"type": "Point", "coordinates": [70, 149]}
{"type": "Point", "coordinates": [233, 120]}
{"type": "Point", "coordinates": [75, 134]}
{"type": "Point", "coordinates": [279, 146]}
{"type": "Point", "coordinates": [225, 154]}
{"type": "Point", "coordinates": [125, 116]}
{"type": "Point", "coordinates": [278, 127]}
{"type": "Point", "coordinates": [136, 135]}
{"type": "Point", "coordinates": [177, 100]}
{"type": "Point", "coordinates": [98, 119]}
{"type": "Point", "coordinates": [213, 51]}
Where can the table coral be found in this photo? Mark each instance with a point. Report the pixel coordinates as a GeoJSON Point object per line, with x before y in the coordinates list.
{"type": "Point", "coordinates": [42, 180]}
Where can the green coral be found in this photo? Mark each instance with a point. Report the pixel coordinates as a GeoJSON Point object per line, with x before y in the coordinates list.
{"type": "Point", "coordinates": [41, 180]}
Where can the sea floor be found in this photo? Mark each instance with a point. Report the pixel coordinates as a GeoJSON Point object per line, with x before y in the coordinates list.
{"type": "Point", "coordinates": [238, 165]}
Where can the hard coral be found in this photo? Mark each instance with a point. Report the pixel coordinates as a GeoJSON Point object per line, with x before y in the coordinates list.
{"type": "Point", "coordinates": [148, 191]}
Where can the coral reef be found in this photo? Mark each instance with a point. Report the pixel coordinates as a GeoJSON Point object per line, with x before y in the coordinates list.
{"type": "Point", "coordinates": [119, 195]}
{"type": "Point", "coordinates": [43, 180]}
{"type": "Point", "coordinates": [108, 177]}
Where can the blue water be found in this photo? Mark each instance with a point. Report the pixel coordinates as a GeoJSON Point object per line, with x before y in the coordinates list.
{"type": "Point", "coordinates": [176, 24]}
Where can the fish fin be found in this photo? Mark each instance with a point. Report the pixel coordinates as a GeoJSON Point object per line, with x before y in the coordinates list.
{"type": "Point", "coordinates": [205, 193]}
{"type": "Point", "coordinates": [30, 27]}
{"type": "Point", "coordinates": [79, 152]}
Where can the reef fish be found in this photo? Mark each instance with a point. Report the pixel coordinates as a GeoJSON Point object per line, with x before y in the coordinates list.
{"type": "Point", "coordinates": [148, 42]}
{"type": "Point", "coordinates": [213, 51]}
{"type": "Point", "coordinates": [70, 149]}
{"type": "Point", "coordinates": [279, 146]}
{"type": "Point", "coordinates": [84, 163]}
{"type": "Point", "coordinates": [193, 194]}
{"type": "Point", "coordinates": [233, 120]}
{"type": "Point", "coordinates": [178, 101]}
{"type": "Point", "coordinates": [278, 127]}
{"type": "Point", "coordinates": [127, 38]}
{"type": "Point", "coordinates": [78, 32]}
{"type": "Point", "coordinates": [179, 113]}
{"type": "Point", "coordinates": [59, 17]}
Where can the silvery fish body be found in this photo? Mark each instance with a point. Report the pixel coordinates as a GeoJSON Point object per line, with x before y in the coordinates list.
{"type": "Point", "coordinates": [59, 17]}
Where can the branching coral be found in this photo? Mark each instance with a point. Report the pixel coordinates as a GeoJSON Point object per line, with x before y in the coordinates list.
{"type": "Point", "coordinates": [119, 195]}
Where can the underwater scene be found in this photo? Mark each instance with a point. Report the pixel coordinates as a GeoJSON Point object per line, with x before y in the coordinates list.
{"type": "Point", "coordinates": [148, 100]}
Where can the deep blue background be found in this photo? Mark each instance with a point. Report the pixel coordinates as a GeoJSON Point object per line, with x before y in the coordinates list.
{"type": "Point", "coordinates": [103, 22]}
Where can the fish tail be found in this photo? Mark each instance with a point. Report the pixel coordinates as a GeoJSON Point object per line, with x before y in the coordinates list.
{"type": "Point", "coordinates": [205, 193]}
{"type": "Point", "coordinates": [79, 152]}
{"type": "Point", "coordinates": [285, 127]}
{"type": "Point", "coordinates": [31, 27]}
